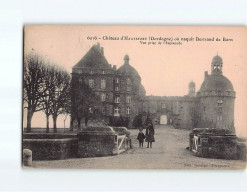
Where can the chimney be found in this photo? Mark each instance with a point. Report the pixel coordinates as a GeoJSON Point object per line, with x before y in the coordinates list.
{"type": "Point", "coordinates": [114, 67]}
{"type": "Point", "coordinates": [102, 50]}
{"type": "Point", "coordinates": [98, 45]}
{"type": "Point", "coordinates": [205, 74]}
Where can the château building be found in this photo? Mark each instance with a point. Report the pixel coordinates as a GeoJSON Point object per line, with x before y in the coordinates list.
{"type": "Point", "coordinates": [122, 94]}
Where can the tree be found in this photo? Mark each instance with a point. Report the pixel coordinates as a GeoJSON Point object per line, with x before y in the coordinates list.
{"type": "Point", "coordinates": [59, 94]}
{"type": "Point", "coordinates": [84, 102]}
{"type": "Point", "coordinates": [148, 119]}
{"type": "Point", "coordinates": [34, 72]}
{"type": "Point", "coordinates": [137, 122]}
{"type": "Point", "coordinates": [46, 100]}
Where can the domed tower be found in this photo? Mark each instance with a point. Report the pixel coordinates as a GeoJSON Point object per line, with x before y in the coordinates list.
{"type": "Point", "coordinates": [128, 90]}
{"type": "Point", "coordinates": [216, 99]}
{"type": "Point", "coordinates": [192, 89]}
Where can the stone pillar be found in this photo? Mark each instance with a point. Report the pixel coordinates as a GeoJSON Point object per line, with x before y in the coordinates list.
{"type": "Point", "coordinates": [27, 157]}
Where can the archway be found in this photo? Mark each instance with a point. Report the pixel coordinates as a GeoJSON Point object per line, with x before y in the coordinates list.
{"type": "Point", "coordinates": [163, 119]}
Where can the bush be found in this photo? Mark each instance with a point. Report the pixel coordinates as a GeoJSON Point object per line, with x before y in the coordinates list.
{"type": "Point", "coordinates": [137, 122]}
{"type": "Point", "coordinates": [119, 121]}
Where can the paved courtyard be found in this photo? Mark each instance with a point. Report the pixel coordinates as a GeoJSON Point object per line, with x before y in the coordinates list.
{"type": "Point", "coordinates": [168, 152]}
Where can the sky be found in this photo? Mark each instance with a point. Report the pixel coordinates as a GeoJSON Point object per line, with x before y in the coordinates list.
{"type": "Point", "coordinates": [165, 69]}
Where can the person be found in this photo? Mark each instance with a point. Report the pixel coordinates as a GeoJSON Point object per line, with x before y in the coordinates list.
{"type": "Point", "coordinates": [141, 137]}
{"type": "Point", "coordinates": [150, 135]}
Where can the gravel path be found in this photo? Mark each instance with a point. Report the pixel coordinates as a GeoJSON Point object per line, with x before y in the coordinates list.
{"type": "Point", "coordinates": [168, 152]}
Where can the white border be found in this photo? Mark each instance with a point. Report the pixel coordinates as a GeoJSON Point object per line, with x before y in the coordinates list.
{"type": "Point", "coordinates": [14, 14]}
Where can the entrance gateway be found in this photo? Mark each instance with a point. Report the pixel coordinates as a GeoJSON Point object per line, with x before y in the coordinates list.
{"type": "Point", "coordinates": [163, 119]}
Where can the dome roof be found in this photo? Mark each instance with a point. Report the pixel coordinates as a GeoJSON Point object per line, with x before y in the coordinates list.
{"type": "Point", "coordinates": [142, 91]}
{"type": "Point", "coordinates": [217, 60]}
{"type": "Point", "coordinates": [94, 58]}
{"type": "Point", "coordinates": [216, 82]}
{"type": "Point", "coordinates": [128, 70]}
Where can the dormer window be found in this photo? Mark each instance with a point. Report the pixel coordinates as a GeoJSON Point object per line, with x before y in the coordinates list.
{"type": "Point", "coordinates": [128, 81]}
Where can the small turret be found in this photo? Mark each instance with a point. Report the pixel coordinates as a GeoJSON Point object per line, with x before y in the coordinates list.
{"type": "Point", "coordinates": [126, 60]}
{"type": "Point", "coordinates": [192, 89]}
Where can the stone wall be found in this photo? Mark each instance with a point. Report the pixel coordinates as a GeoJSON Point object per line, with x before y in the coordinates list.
{"type": "Point", "coordinates": [92, 145]}
{"type": "Point", "coordinates": [52, 149]}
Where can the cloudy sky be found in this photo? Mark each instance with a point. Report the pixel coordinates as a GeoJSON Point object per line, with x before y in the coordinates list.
{"type": "Point", "coordinates": [165, 69]}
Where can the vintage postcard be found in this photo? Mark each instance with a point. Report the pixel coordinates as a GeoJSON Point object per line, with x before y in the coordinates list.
{"type": "Point", "coordinates": [134, 97]}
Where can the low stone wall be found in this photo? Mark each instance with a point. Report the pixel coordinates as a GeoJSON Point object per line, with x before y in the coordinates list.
{"type": "Point", "coordinates": [97, 141]}
{"type": "Point", "coordinates": [90, 142]}
{"type": "Point", "coordinates": [52, 149]}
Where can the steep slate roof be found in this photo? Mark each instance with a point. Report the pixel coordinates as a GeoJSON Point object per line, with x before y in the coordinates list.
{"type": "Point", "coordinates": [94, 58]}
{"type": "Point", "coordinates": [216, 82]}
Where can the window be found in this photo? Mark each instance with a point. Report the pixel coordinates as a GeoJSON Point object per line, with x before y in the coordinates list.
{"type": "Point", "coordinates": [117, 99]}
{"type": "Point", "coordinates": [91, 72]}
{"type": "Point", "coordinates": [204, 108]}
{"type": "Point", "coordinates": [128, 110]}
{"type": "Point", "coordinates": [116, 111]}
{"type": "Point", "coordinates": [103, 84]}
{"type": "Point", "coordinates": [128, 81]}
{"type": "Point", "coordinates": [220, 102]}
{"type": "Point", "coordinates": [90, 110]}
{"type": "Point", "coordinates": [80, 80]}
{"type": "Point", "coordinates": [128, 88]}
{"type": "Point", "coordinates": [128, 99]}
{"type": "Point", "coordinates": [103, 96]}
{"type": "Point", "coordinates": [163, 106]}
{"type": "Point", "coordinates": [103, 72]}
{"type": "Point", "coordinates": [116, 88]}
{"type": "Point", "coordinates": [116, 80]}
{"type": "Point", "coordinates": [91, 83]}
{"type": "Point", "coordinates": [79, 71]}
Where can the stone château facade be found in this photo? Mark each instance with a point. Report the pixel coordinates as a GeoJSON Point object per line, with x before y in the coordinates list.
{"type": "Point", "coordinates": [122, 94]}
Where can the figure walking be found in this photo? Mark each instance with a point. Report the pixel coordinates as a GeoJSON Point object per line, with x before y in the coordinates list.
{"type": "Point", "coordinates": [141, 137]}
{"type": "Point", "coordinates": [150, 135]}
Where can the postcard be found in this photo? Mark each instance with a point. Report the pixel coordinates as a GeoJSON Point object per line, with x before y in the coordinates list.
{"type": "Point", "coordinates": [134, 97]}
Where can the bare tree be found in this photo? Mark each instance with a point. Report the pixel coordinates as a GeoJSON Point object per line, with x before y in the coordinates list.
{"type": "Point", "coordinates": [46, 100]}
{"type": "Point", "coordinates": [84, 102]}
{"type": "Point", "coordinates": [34, 71]}
{"type": "Point", "coordinates": [60, 94]}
